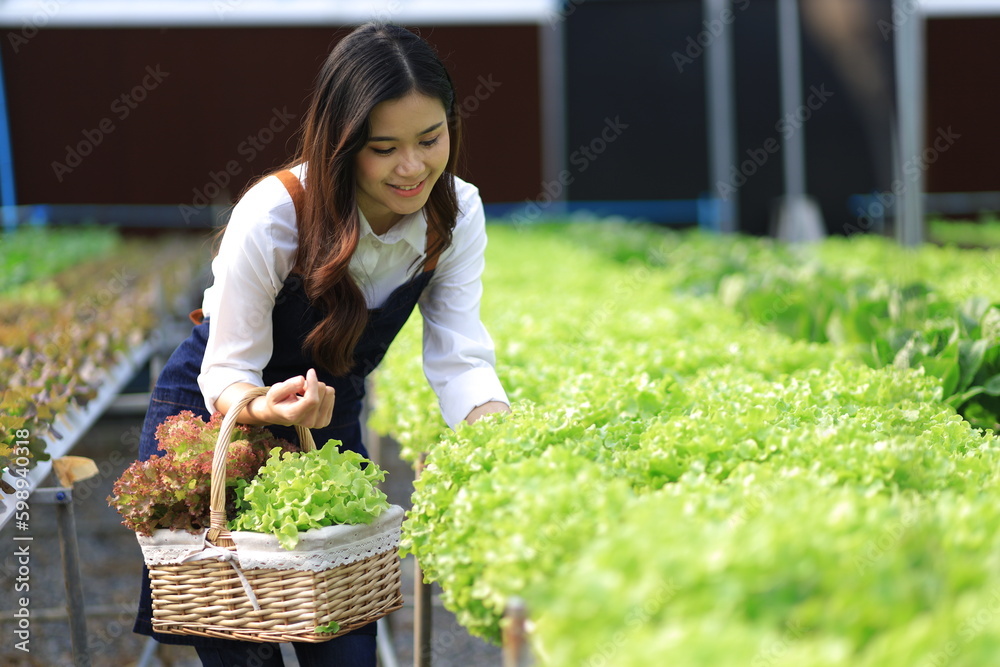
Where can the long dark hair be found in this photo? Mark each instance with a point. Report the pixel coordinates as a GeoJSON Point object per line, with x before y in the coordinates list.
{"type": "Point", "coordinates": [374, 63]}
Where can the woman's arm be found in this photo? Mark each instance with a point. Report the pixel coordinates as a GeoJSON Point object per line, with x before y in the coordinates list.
{"type": "Point", "coordinates": [300, 400]}
{"type": "Point", "coordinates": [249, 271]}
{"type": "Point", "coordinates": [459, 358]}
{"type": "Point", "coordinates": [486, 409]}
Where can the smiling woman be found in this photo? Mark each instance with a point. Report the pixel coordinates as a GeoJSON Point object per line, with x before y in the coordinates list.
{"type": "Point", "coordinates": [320, 266]}
{"type": "Point", "coordinates": [401, 163]}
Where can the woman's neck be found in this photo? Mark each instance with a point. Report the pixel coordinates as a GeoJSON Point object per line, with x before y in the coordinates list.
{"type": "Point", "coordinates": [382, 223]}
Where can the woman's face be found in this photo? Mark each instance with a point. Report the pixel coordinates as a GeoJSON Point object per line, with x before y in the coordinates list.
{"type": "Point", "coordinates": [403, 159]}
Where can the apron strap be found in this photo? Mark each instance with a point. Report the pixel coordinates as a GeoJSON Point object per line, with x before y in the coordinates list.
{"type": "Point", "coordinates": [295, 189]}
{"type": "Point", "coordinates": [432, 260]}
{"type": "Point", "coordinates": [297, 193]}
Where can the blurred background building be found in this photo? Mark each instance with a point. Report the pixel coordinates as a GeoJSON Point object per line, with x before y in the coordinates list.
{"type": "Point", "coordinates": [175, 106]}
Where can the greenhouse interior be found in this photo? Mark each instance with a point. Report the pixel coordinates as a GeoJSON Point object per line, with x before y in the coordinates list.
{"type": "Point", "coordinates": [611, 333]}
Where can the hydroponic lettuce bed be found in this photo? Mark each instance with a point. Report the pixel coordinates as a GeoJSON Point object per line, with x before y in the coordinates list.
{"type": "Point", "coordinates": [984, 233]}
{"type": "Point", "coordinates": [75, 304]}
{"type": "Point", "coordinates": [723, 451]}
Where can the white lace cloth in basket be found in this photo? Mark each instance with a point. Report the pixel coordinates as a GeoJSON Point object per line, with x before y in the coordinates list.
{"type": "Point", "coordinates": [318, 549]}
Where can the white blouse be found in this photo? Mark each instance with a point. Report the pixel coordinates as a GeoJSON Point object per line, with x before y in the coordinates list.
{"type": "Point", "coordinates": [255, 257]}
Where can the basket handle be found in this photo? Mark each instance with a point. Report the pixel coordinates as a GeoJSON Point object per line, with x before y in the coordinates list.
{"type": "Point", "coordinates": [218, 533]}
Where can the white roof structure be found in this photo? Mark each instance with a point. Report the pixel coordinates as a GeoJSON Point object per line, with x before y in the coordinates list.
{"type": "Point", "coordinates": [958, 8]}
{"type": "Point", "coordinates": [206, 13]}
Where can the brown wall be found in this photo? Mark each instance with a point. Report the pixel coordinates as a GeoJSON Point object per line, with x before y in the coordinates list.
{"type": "Point", "coordinates": [211, 107]}
{"type": "Point", "coordinates": [963, 91]}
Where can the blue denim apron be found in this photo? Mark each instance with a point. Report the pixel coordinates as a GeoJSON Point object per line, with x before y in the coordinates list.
{"type": "Point", "coordinates": [292, 318]}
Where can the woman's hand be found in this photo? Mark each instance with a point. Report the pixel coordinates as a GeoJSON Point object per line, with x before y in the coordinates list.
{"type": "Point", "coordinates": [486, 409]}
{"type": "Point", "coordinates": [302, 400]}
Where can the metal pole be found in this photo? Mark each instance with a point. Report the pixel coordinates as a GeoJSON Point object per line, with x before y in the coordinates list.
{"type": "Point", "coordinates": [909, 53]}
{"type": "Point", "coordinates": [799, 218]}
{"type": "Point", "coordinates": [373, 441]}
{"type": "Point", "coordinates": [422, 619]}
{"type": "Point", "coordinates": [515, 651]}
{"type": "Point", "coordinates": [553, 98]}
{"type": "Point", "coordinates": [721, 101]}
{"type": "Point", "coordinates": [383, 641]}
{"type": "Point", "coordinates": [148, 653]}
{"type": "Point", "coordinates": [8, 193]}
{"type": "Point", "coordinates": [63, 500]}
{"type": "Point", "coordinates": [384, 646]}
{"type": "Point", "coordinates": [422, 612]}
{"type": "Point", "coordinates": [790, 63]}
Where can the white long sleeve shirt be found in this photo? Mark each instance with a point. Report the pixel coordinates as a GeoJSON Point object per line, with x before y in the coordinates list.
{"type": "Point", "coordinates": [256, 255]}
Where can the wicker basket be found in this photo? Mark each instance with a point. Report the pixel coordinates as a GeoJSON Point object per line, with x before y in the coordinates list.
{"type": "Point", "coordinates": [242, 585]}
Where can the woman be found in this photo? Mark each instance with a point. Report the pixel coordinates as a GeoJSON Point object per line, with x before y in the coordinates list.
{"type": "Point", "coordinates": [320, 266]}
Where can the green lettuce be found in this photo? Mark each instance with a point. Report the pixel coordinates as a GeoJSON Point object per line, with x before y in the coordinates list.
{"type": "Point", "coordinates": [296, 491]}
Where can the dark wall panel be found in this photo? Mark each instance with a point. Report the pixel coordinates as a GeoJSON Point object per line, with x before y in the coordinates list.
{"type": "Point", "coordinates": [644, 61]}
{"type": "Point", "coordinates": [621, 67]}
{"type": "Point", "coordinates": [206, 106]}
{"type": "Point", "coordinates": [963, 89]}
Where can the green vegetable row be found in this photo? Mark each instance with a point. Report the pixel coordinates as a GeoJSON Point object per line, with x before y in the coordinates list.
{"type": "Point", "coordinates": [934, 309]}
{"type": "Point", "coordinates": [60, 335]}
{"type": "Point", "coordinates": [34, 254]}
{"type": "Point", "coordinates": [982, 234]}
{"type": "Point", "coordinates": [682, 483]}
